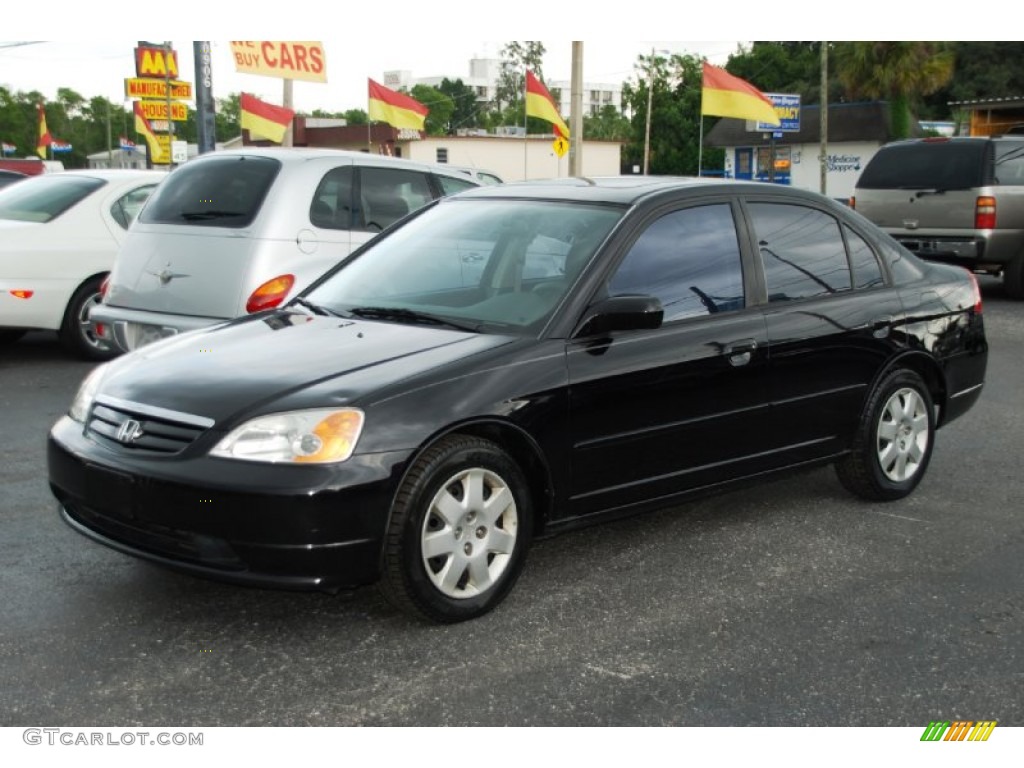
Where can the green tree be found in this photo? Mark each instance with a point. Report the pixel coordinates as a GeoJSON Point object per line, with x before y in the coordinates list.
{"type": "Point", "coordinates": [466, 110]}
{"type": "Point", "coordinates": [609, 124]}
{"type": "Point", "coordinates": [675, 115]}
{"type": "Point", "coordinates": [785, 67]}
{"type": "Point", "coordinates": [441, 108]}
{"type": "Point", "coordinates": [902, 72]}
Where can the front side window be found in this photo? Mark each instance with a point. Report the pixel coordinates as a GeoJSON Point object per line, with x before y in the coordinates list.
{"type": "Point", "coordinates": [802, 251]}
{"type": "Point", "coordinates": [225, 191]}
{"type": "Point", "coordinates": [452, 186]}
{"type": "Point", "coordinates": [689, 259]}
{"type": "Point", "coordinates": [43, 198]}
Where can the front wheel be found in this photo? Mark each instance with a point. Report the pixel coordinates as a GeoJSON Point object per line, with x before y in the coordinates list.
{"type": "Point", "coordinates": [894, 438]}
{"type": "Point", "coordinates": [459, 531]}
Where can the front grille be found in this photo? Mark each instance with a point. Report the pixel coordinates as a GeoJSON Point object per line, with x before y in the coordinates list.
{"type": "Point", "coordinates": [165, 433]}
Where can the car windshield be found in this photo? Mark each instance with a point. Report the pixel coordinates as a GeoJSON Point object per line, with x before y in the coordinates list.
{"type": "Point", "coordinates": [490, 265]}
{"type": "Point", "coordinates": [43, 198]}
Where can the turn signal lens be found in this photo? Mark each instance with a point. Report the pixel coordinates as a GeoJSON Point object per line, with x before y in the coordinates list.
{"type": "Point", "coordinates": [333, 439]}
{"type": "Point", "coordinates": [270, 294]}
{"type": "Point", "coordinates": [20, 293]}
{"type": "Point", "coordinates": [985, 213]}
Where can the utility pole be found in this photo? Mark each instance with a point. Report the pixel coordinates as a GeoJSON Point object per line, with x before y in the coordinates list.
{"type": "Point", "coordinates": [205, 108]}
{"type": "Point", "coordinates": [650, 100]}
{"type": "Point", "coordinates": [576, 111]}
{"type": "Point", "coordinates": [824, 116]}
{"type": "Point", "coordinates": [287, 99]}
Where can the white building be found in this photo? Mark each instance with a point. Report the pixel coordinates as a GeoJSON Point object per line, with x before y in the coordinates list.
{"type": "Point", "coordinates": [856, 132]}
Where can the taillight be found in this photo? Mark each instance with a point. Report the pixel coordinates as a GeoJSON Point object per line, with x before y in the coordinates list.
{"type": "Point", "coordinates": [977, 292]}
{"type": "Point", "coordinates": [853, 202]}
{"type": "Point", "coordinates": [21, 293]}
{"type": "Point", "coordinates": [270, 294]}
{"type": "Point", "coordinates": [985, 213]}
{"type": "Point", "coordinates": [103, 286]}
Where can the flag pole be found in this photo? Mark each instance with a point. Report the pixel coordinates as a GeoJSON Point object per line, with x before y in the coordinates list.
{"type": "Point", "coordinates": [526, 140]}
{"type": "Point", "coordinates": [700, 139]}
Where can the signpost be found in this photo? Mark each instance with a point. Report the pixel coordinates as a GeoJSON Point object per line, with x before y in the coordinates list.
{"type": "Point", "coordinates": [560, 145]}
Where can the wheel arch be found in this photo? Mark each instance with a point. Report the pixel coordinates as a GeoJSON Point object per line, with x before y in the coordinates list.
{"type": "Point", "coordinates": [519, 445]}
{"type": "Point", "coordinates": [930, 372]}
{"type": "Point", "coordinates": [94, 276]}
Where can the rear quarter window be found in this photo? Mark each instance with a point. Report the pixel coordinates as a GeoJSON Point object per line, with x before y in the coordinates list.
{"type": "Point", "coordinates": [220, 192]}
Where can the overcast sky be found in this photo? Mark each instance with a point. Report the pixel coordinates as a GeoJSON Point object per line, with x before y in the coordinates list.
{"type": "Point", "coordinates": [426, 37]}
{"type": "Point", "coordinates": [99, 68]}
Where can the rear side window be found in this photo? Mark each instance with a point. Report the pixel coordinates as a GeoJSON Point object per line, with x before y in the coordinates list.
{"type": "Point", "coordinates": [127, 207]}
{"type": "Point", "coordinates": [219, 192]}
{"type": "Point", "coordinates": [332, 203]}
{"type": "Point", "coordinates": [388, 194]}
{"type": "Point", "coordinates": [689, 259]}
{"type": "Point", "coordinates": [927, 165]}
{"type": "Point", "coordinates": [802, 251]}
{"type": "Point", "coordinates": [866, 271]}
{"type": "Point", "coordinates": [45, 197]}
{"type": "Point", "coordinates": [1010, 164]}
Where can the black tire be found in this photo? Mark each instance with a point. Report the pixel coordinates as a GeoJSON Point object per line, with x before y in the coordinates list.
{"type": "Point", "coordinates": [480, 551]}
{"type": "Point", "coordinates": [894, 440]}
{"type": "Point", "coordinates": [75, 333]}
{"type": "Point", "coordinates": [1013, 277]}
{"type": "Point", "coordinates": [10, 336]}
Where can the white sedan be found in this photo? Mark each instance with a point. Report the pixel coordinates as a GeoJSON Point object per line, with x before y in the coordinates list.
{"type": "Point", "coordinates": [59, 234]}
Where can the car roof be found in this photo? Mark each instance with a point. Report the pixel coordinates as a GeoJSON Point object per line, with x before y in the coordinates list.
{"type": "Point", "coordinates": [297, 155]}
{"type": "Point", "coordinates": [624, 190]}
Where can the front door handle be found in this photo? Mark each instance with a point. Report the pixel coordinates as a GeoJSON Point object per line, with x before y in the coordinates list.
{"type": "Point", "coordinates": [740, 352]}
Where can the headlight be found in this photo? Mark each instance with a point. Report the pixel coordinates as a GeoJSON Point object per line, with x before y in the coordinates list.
{"type": "Point", "coordinates": [311, 437]}
{"type": "Point", "coordinates": [86, 394]}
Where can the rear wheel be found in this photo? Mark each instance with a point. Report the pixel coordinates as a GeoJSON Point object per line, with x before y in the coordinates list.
{"type": "Point", "coordinates": [76, 332]}
{"type": "Point", "coordinates": [894, 440]}
{"type": "Point", "coordinates": [460, 527]}
{"type": "Point", "coordinates": [1013, 277]}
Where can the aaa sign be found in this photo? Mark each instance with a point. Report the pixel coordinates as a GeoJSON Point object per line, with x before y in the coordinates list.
{"type": "Point", "coordinates": [289, 59]}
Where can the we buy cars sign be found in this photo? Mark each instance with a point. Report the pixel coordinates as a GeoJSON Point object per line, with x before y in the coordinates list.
{"type": "Point", "coordinates": [289, 59]}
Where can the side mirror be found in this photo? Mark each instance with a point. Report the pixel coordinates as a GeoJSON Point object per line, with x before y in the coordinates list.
{"type": "Point", "coordinates": [621, 313]}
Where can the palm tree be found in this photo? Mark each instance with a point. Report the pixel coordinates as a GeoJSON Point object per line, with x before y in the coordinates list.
{"type": "Point", "coordinates": [899, 71]}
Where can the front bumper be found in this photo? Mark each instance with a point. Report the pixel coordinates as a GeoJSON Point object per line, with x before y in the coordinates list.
{"type": "Point", "coordinates": [254, 524]}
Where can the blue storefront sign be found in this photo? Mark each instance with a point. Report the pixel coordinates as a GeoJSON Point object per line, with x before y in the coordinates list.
{"type": "Point", "coordinates": [787, 107]}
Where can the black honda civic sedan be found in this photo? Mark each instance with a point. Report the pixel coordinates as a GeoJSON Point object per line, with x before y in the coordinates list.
{"type": "Point", "coordinates": [517, 361]}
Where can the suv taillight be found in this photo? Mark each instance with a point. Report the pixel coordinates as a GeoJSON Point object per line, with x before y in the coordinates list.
{"type": "Point", "coordinates": [985, 213]}
{"type": "Point", "coordinates": [270, 294]}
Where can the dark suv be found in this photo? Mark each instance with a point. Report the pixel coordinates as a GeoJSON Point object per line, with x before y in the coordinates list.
{"type": "Point", "coordinates": [959, 200]}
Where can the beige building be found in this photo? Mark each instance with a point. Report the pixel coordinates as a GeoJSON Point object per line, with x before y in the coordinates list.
{"type": "Point", "coordinates": [513, 158]}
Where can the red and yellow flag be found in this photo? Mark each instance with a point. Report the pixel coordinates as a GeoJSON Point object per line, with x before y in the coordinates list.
{"type": "Point", "coordinates": [45, 139]}
{"type": "Point", "coordinates": [540, 104]}
{"type": "Point", "coordinates": [157, 152]}
{"type": "Point", "coordinates": [725, 95]}
{"type": "Point", "coordinates": [264, 120]}
{"type": "Point", "coordinates": [396, 108]}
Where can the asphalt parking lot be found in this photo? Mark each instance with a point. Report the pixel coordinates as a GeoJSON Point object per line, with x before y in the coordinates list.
{"type": "Point", "coordinates": [790, 603]}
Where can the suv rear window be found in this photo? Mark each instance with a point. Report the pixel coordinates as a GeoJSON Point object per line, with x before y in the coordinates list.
{"type": "Point", "coordinates": [219, 192]}
{"type": "Point", "coordinates": [928, 165]}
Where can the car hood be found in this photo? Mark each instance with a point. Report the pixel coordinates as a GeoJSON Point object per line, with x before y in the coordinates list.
{"type": "Point", "coordinates": [243, 367]}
